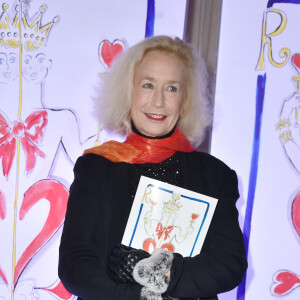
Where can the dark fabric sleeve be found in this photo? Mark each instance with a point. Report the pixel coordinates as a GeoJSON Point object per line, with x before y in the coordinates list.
{"type": "Point", "coordinates": [81, 269]}
{"type": "Point", "coordinates": [222, 262]}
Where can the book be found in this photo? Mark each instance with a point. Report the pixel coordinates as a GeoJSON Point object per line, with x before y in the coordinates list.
{"type": "Point", "coordinates": [169, 217]}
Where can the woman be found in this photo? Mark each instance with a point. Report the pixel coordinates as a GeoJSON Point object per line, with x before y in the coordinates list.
{"type": "Point", "coordinates": [156, 95]}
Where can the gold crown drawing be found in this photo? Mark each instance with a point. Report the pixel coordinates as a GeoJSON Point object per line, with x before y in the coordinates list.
{"type": "Point", "coordinates": [9, 30]}
{"type": "Point", "coordinates": [174, 204]}
{"type": "Point", "coordinates": [31, 34]}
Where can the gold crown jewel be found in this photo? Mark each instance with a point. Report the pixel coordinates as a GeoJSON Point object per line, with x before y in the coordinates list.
{"type": "Point", "coordinates": [174, 204]}
{"type": "Point", "coordinates": [9, 28]}
{"type": "Point", "coordinates": [35, 34]}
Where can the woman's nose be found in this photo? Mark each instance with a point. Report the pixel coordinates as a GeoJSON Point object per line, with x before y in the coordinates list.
{"type": "Point", "coordinates": [158, 99]}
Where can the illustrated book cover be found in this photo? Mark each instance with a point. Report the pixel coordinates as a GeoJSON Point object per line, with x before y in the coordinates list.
{"type": "Point", "coordinates": [167, 216]}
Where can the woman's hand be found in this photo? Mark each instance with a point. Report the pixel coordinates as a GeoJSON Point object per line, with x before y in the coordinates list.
{"type": "Point", "coordinates": [129, 265]}
{"type": "Point", "coordinates": [152, 272]}
{"type": "Point", "coordinates": [122, 261]}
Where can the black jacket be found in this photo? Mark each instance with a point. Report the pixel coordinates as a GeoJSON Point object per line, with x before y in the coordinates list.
{"type": "Point", "coordinates": [97, 214]}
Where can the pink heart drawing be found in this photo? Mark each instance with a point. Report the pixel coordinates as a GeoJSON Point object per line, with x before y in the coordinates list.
{"type": "Point", "coordinates": [284, 282]}
{"type": "Point", "coordinates": [296, 60]}
{"type": "Point", "coordinates": [108, 52]}
{"type": "Point", "coordinates": [296, 213]}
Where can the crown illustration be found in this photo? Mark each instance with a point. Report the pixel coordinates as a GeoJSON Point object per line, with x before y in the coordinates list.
{"type": "Point", "coordinates": [32, 34]}
{"type": "Point", "coordinates": [9, 29]}
{"type": "Point", "coordinates": [174, 204]}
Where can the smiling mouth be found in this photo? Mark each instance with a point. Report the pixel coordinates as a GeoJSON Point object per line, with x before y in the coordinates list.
{"type": "Point", "coordinates": [155, 117]}
{"type": "Point", "coordinates": [33, 75]}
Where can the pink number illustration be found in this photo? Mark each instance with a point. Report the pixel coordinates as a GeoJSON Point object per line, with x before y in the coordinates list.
{"type": "Point", "coordinates": [285, 281]}
{"type": "Point", "coordinates": [57, 195]}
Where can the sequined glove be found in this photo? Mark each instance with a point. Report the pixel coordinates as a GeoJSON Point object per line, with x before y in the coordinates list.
{"type": "Point", "coordinates": [151, 273]}
{"type": "Point", "coordinates": [122, 261]}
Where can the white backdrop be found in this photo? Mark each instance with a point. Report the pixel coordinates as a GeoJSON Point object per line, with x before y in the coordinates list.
{"type": "Point", "coordinates": [49, 70]}
{"type": "Point", "coordinates": [256, 132]}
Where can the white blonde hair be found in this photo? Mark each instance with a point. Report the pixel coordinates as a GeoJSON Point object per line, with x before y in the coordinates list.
{"type": "Point", "coordinates": [114, 101]}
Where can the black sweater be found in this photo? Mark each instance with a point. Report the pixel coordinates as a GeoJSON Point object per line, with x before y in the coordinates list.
{"type": "Point", "coordinates": [98, 209]}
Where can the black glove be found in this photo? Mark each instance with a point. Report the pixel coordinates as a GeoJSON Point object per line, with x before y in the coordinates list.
{"type": "Point", "coordinates": [122, 261]}
{"type": "Point", "coordinates": [129, 265]}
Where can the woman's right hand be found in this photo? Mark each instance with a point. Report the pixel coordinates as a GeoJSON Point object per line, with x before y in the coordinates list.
{"type": "Point", "coordinates": [121, 262]}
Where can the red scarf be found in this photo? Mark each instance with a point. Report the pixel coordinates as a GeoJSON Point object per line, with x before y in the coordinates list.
{"type": "Point", "coordinates": [139, 150]}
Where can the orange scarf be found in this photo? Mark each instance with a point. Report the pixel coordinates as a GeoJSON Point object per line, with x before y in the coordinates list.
{"type": "Point", "coordinates": [139, 150]}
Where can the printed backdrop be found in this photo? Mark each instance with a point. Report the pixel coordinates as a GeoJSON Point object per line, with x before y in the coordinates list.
{"type": "Point", "coordinates": [256, 131]}
{"type": "Point", "coordinates": [53, 55]}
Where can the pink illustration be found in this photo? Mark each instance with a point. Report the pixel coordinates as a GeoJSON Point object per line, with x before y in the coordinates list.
{"type": "Point", "coordinates": [296, 214]}
{"type": "Point", "coordinates": [57, 195]}
{"type": "Point", "coordinates": [2, 275]}
{"type": "Point", "coordinates": [164, 232]}
{"type": "Point", "coordinates": [108, 52]}
{"type": "Point", "coordinates": [58, 291]}
{"type": "Point", "coordinates": [285, 282]}
{"type": "Point", "coordinates": [288, 125]}
{"type": "Point", "coordinates": [2, 216]}
{"type": "Point", "coordinates": [30, 132]}
{"type": "Point", "coordinates": [2, 206]}
{"type": "Point", "coordinates": [33, 139]}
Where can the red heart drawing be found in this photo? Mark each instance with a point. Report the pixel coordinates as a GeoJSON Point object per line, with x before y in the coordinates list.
{"type": "Point", "coordinates": [285, 281]}
{"type": "Point", "coordinates": [108, 52]}
{"type": "Point", "coordinates": [195, 216]}
{"type": "Point", "coordinates": [296, 60]}
{"type": "Point", "coordinates": [296, 213]}
{"type": "Point", "coordinates": [57, 195]}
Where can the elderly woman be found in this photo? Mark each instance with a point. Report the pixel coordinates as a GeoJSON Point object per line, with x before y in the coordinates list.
{"type": "Point", "coordinates": [155, 95]}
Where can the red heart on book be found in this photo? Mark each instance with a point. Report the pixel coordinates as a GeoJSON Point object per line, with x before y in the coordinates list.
{"type": "Point", "coordinates": [195, 216]}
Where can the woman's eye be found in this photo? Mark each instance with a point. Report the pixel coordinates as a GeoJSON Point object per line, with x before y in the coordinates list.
{"type": "Point", "coordinates": [172, 88]}
{"type": "Point", "coordinates": [148, 86]}
{"type": "Point", "coordinates": [12, 60]}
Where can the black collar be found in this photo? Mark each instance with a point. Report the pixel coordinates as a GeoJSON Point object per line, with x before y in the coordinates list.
{"type": "Point", "coordinates": [134, 129]}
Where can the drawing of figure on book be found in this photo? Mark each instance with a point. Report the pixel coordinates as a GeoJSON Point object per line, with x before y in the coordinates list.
{"type": "Point", "coordinates": [165, 232]}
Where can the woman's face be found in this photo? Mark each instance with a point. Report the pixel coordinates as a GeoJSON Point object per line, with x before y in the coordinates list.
{"type": "Point", "coordinates": [158, 91]}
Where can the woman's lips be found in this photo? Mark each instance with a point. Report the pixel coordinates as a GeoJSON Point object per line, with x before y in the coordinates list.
{"type": "Point", "coordinates": [155, 117]}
